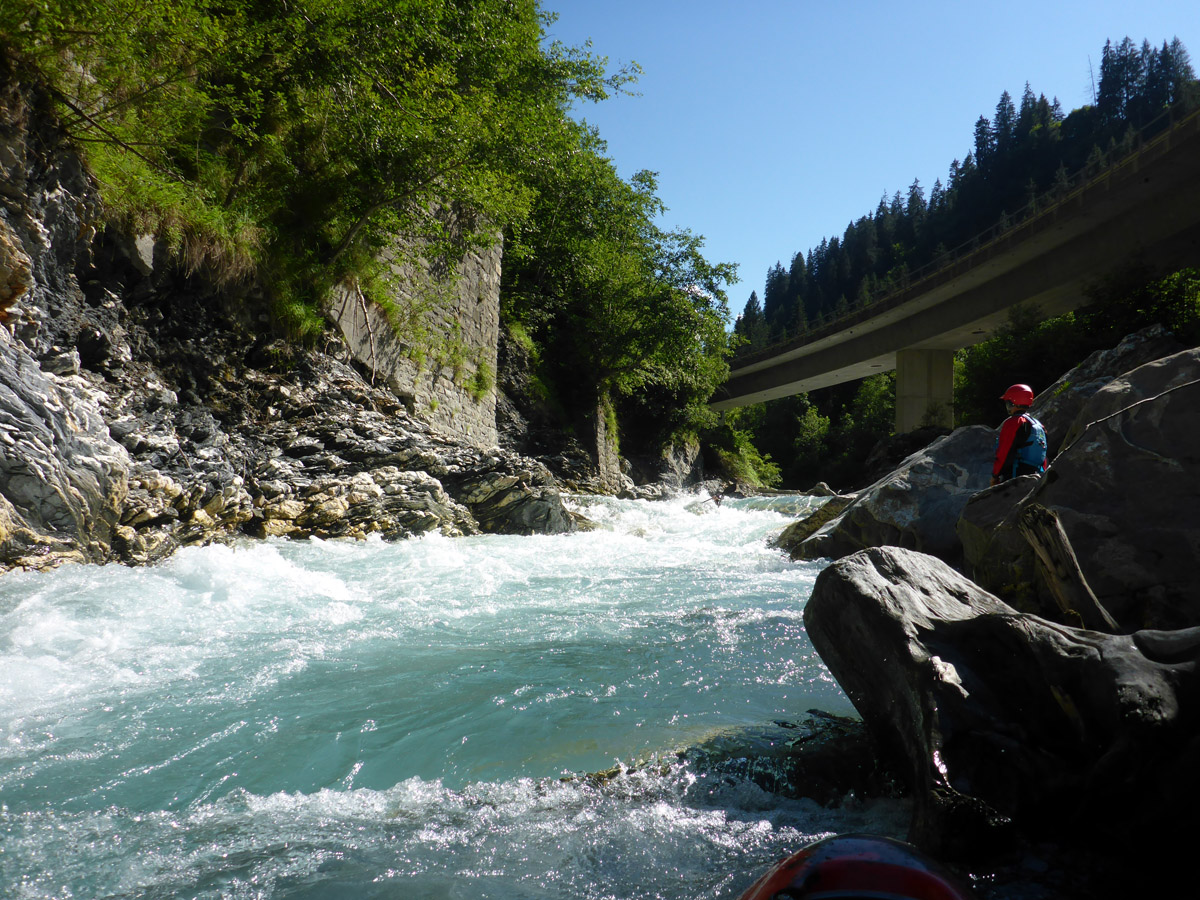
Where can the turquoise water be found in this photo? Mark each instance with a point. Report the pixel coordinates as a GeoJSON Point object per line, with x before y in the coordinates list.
{"type": "Point", "coordinates": [363, 719]}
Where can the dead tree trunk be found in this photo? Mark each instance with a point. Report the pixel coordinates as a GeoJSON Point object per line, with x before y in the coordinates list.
{"type": "Point", "coordinates": [1059, 565]}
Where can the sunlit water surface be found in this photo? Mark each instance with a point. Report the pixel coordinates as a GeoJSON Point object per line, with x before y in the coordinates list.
{"type": "Point", "coordinates": [341, 719]}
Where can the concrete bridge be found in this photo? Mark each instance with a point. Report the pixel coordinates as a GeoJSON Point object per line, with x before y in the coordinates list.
{"type": "Point", "coordinates": [1144, 210]}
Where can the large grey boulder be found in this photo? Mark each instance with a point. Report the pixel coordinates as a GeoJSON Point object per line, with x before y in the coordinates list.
{"type": "Point", "coordinates": [1001, 717]}
{"type": "Point", "coordinates": [1057, 406]}
{"type": "Point", "coordinates": [916, 506]}
{"type": "Point", "coordinates": [1126, 492]}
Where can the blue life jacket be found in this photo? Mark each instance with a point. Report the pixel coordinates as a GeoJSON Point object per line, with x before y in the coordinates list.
{"type": "Point", "coordinates": [1031, 455]}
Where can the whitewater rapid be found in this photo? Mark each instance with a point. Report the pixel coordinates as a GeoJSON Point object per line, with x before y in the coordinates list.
{"type": "Point", "coordinates": [370, 719]}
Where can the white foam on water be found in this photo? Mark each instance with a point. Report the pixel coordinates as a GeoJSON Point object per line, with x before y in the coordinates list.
{"type": "Point", "coordinates": [324, 718]}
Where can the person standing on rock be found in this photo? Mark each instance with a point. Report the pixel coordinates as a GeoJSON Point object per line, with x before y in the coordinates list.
{"type": "Point", "coordinates": [1021, 447]}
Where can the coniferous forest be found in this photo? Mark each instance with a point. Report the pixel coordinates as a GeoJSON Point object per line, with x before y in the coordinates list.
{"type": "Point", "coordinates": [1025, 154]}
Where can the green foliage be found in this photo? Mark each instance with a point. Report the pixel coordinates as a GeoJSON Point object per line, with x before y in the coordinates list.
{"type": "Point", "coordinates": [736, 453]}
{"type": "Point", "coordinates": [811, 441]}
{"type": "Point", "coordinates": [519, 335]}
{"type": "Point", "coordinates": [481, 382]}
{"type": "Point", "coordinates": [301, 137]}
{"type": "Point", "coordinates": [292, 142]}
{"type": "Point", "coordinates": [619, 307]}
{"type": "Point", "coordinates": [826, 435]}
{"type": "Point", "coordinates": [1038, 352]}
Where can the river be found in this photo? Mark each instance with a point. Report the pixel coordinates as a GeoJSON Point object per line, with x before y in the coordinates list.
{"type": "Point", "coordinates": [404, 720]}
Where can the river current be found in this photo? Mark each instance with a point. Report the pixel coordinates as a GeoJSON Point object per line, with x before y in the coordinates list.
{"type": "Point", "coordinates": [407, 720]}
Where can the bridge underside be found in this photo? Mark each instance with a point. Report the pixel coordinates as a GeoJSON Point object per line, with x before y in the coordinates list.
{"type": "Point", "coordinates": [1143, 212]}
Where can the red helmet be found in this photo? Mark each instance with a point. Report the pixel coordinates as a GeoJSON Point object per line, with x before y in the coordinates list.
{"type": "Point", "coordinates": [1018, 395]}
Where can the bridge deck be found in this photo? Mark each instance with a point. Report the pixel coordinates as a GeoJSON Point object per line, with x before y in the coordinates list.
{"type": "Point", "coordinates": [1145, 209]}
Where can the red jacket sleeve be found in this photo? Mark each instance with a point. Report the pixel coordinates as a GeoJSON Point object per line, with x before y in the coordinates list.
{"type": "Point", "coordinates": [1008, 434]}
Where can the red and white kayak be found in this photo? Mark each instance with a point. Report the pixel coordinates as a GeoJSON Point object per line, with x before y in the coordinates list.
{"type": "Point", "coordinates": [858, 866]}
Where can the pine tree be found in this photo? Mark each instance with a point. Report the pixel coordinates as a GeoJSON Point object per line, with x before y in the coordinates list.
{"type": "Point", "coordinates": [1004, 126]}
{"type": "Point", "coordinates": [775, 301]}
{"type": "Point", "coordinates": [751, 326]}
{"type": "Point", "coordinates": [1027, 118]}
{"type": "Point", "coordinates": [797, 291]}
{"type": "Point", "coordinates": [937, 198]}
{"type": "Point", "coordinates": [984, 142]}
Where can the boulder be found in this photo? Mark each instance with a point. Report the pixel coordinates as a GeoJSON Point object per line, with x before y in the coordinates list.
{"type": "Point", "coordinates": [915, 506]}
{"type": "Point", "coordinates": [821, 489]}
{"type": "Point", "coordinates": [1126, 491]}
{"type": "Point", "coordinates": [1057, 406]}
{"type": "Point", "coordinates": [802, 529]}
{"type": "Point", "coordinates": [509, 494]}
{"type": "Point", "coordinates": [1008, 722]}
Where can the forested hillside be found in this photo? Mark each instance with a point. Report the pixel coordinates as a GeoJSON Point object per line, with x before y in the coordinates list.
{"type": "Point", "coordinates": [1025, 155]}
{"type": "Point", "coordinates": [277, 147]}
{"type": "Point", "coordinates": [1022, 155]}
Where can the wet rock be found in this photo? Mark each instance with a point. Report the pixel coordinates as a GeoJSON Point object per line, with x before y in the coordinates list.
{"type": "Point", "coordinates": [1003, 719]}
{"type": "Point", "coordinates": [63, 480]}
{"type": "Point", "coordinates": [821, 489]}
{"type": "Point", "coordinates": [801, 530]}
{"type": "Point", "coordinates": [827, 758]}
{"type": "Point", "coordinates": [915, 506]}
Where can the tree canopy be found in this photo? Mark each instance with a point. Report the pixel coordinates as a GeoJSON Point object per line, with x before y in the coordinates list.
{"type": "Point", "coordinates": [288, 142]}
{"type": "Point", "coordinates": [300, 135]}
{"type": "Point", "coordinates": [1019, 154]}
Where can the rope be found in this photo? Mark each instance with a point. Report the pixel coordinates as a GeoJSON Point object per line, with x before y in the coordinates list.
{"type": "Point", "coordinates": [1125, 409]}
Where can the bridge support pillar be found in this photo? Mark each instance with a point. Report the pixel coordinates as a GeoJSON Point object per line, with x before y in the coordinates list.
{"type": "Point", "coordinates": [924, 389]}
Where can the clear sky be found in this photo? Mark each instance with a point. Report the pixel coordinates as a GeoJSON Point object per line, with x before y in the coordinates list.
{"type": "Point", "coordinates": [773, 124]}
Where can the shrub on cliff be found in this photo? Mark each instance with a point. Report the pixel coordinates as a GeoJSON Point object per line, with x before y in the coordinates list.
{"type": "Point", "coordinates": [293, 139]}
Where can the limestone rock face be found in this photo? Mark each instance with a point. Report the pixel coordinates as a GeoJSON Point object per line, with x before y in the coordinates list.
{"type": "Point", "coordinates": [63, 480]}
{"type": "Point", "coordinates": [142, 410]}
{"type": "Point", "coordinates": [1004, 717]}
{"type": "Point", "coordinates": [916, 506]}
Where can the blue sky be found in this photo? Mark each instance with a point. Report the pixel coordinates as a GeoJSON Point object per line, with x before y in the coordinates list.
{"type": "Point", "coordinates": [773, 124]}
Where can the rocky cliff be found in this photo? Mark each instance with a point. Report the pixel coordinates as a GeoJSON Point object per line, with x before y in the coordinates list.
{"type": "Point", "coordinates": [143, 409]}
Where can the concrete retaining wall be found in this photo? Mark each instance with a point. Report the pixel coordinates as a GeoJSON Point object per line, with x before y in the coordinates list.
{"type": "Point", "coordinates": [437, 351]}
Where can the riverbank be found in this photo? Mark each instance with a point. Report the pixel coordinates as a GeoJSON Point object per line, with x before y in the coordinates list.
{"type": "Point", "coordinates": [146, 409]}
